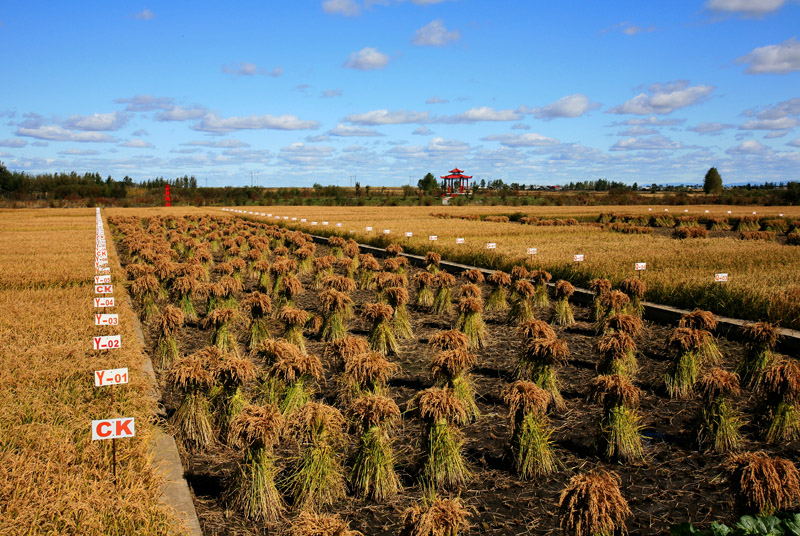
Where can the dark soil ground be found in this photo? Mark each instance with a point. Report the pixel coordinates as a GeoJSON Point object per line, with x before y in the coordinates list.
{"type": "Point", "coordinates": [674, 483]}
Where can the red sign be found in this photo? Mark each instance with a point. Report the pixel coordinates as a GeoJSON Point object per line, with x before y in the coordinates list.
{"type": "Point", "coordinates": [167, 198]}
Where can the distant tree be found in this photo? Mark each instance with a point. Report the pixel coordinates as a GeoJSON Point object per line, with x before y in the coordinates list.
{"type": "Point", "coordinates": [427, 183]}
{"type": "Point", "coordinates": [713, 182]}
{"type": "Point", "coordinates": [358, 189]}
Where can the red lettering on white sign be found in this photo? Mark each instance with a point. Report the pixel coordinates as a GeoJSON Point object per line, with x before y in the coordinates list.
{"type": "Point", "coordinates": [113, 428]}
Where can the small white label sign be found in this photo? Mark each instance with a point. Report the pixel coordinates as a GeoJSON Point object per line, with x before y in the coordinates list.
{"type": "Point", "coordinates": [533, 251]}
{"type": "Point", "coordinates": [719, 278]}
{"type": "Point", "coordinates": [369, 228]}
{"type": "Point", "coordinates": [107, 342]}
{"type": "Point", "coordinates": [313, 223]}
{"type": "Point", "coordinates": [102, 279]}
{"type": "Point", "coordinates": [104, 302]}
{"type": "Point", "coordinates": [640, 266]}
{"type": "Point", "coordinates": [433, 237]}
{"type": "Point", "coordinates": [117, 376]}
{"type": "Point", "coordinates": [409, 234]}
{"type": "Point", "coordinates": [387, 231]}
{"type": "Point", "coordinates": [577, 258]}
{"type": "Point", "coordinates": [106, 320]}
{"type": "Point", "coordinates": [113, 428]}
{"type": "Point", "coordinates": [104, 289]}
{"type": "Point", "coordinates": [491, 245]}
{"type": "Point", "coordinates": [459, 240]}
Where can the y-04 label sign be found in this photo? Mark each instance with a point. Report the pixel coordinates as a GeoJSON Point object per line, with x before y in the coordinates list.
{"type": "Point", "coordinates": [104, 302]}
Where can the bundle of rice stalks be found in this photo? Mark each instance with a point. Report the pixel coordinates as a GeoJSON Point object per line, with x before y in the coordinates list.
{"type": "Point", "coordinates": [618, 354]}
{"type": "Point", "coordinates": [317, 480]}
{"type": "Point", "coordinates": [194, 375]}
{"type": "Point", "coordinates": [185, 289]}
{"type": "Point", "coordinates": [628, 324]}
{"type": "Point", "coordinates": [599, 287]}
{"type": "Point", "coordinates": [498, 299]}
{"type": "Point", "coordinates": [470, 321]}
{"type": "Point", "coordinates": [257, 430]}
{"type": "Point", "coordinates": [381, 334]}
{"type": "Point", "coordinates": [535, 329]}
{"type": "Point", "coordinates": [304, 256]}
{"type": "Point", "coordinates": [635, 288]}
{"type": "Point", "coordinates": [233, 372]}
{"type": "Point", "coordinates": [611, 303]}
{"type": "Point", "coordinates": [229, 287]}
{"type": "Point", "coordinates": [718, 423]}
{"type": "Point", "coordinates": [351, 249]}
{"type": "Point", "coordinates": [471, 290]}
{"type": "Point", "coordinates": [279, 270]}
{"type": "Point", "coordinates": [293, 322]}
{"type": "Point", "coordinates": [338, 282]}
{"type": "Point", "coordinates": [592, 505]}
{"type": "Point", "coordinates": [443, 465]}
{"type": "Point", "coordinates": [146, 289]}
{"type": "Point", "coordinates": [519, 272]}
{"type": "Point", "coordinates": [450, 369]}
{"type": "Point", "coordinates": [764, 485]}
{"type": "Point", "coordinates": [314, 524]}
{"type": "Point", "coordinates": [747, 223]}
{"type": "Point", "coordinates": [537, 363]}
{"type": "Point", "coordinates": [662, 220]}
{"type": "Point", "coordinates": [522, 296]}
{"type": "Point", "coordinates": [336, 309]}
{"type": "Point", "coordinates": [531, 446]}
{"type": "Point", "coordinates": [168, 324]}
{"type": "Point", "coordinates": [685, 345]}
{"type": "Point", "coordinates": [718, 224]}
{"type": "Point", "coordinates": [760, 340]}
{"type": "Point", "coordinates": [395, 265]}
{"type": "Point", "coordinates": [618, 438]}
{"type": "Point", "coordinates": [261, 273]}
{"type": "Point", "coordinates": [373, 475]}
{"type": "Point", "coordinates": [291, 377]}
{"type": "Point", "coordinates": [398, 298]}
{"type": "Point", "coordinates": [365, 373]}
{"type": "Point", "coordinates": [540, 279]}
{"type": "Point", "coordinates": [290, 288]}
{"type": "Point", "coordinates": [474, 276]}
{"type": "Point", "coordinates": [339, 352]}
{"type": "Point", "coordinates": [394, 249]}
{"type": "Point", "coordinates": [449, 340]}
{"type": "Point", "coordinates": [563, 315]}
{"type": "Point", "coordinates": [432, 260]}
{"type": "Point", "coordinates": [368, 266]}
{"type": "Point", "coordinates": [436, 517]}
{"type": "Point", "coordinates": [221, 319]}
{"type": "Point", "coordinates": [781, 385]}
{"type": "Point", "coordinates": [260, 307]}
{"type": "Point", "coordinates": [336, 244]}
{"type": "Point", "coordinates": [442, 301]}
{"type": "Point", "coordinates": [704, 320]}
{"type": "Point", "coordinates": [424, 282]}
{"type": "Point", "coordinates": [323, 267]}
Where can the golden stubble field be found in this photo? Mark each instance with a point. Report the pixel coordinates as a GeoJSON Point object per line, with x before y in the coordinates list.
{"type": "Point", "coordinates": [56, 480]}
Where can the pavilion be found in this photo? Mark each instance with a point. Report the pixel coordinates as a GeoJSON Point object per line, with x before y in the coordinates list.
{"type": "Point", "coordinates": [450, 182]}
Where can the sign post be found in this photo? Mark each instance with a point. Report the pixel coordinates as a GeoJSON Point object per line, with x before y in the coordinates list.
{"type": "Point", "coordinates": [167, 198]}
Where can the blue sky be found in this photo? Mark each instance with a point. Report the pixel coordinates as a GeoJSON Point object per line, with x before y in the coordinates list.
{"type": "Point", "coordinates": [387, 90]}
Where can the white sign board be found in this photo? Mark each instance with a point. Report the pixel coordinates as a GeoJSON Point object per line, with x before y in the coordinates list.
{"type": "Point", "coordinates": [387, 231]}
{"type": "Point", "coordinates": [718, 278]}
{"type": "Point", "coordinates": [104, 289]}
{"type": "Point", "coordinates": [104, 302]}
{"type": "Point", "coordinates": [577, 258]}
{"type": "Point", "coordinates": [491, 245]}
{"type": "Point", "coordinates": [409, 234]}
{"type": "Point", "coordinates": [640, 266]}
{"type": "Point", "coordinates": [369, 228]}
{"type": "Point", "coordinates": [433, 237]}
{"type": "Point", "coordinates": [533, 251]}
{"type": "Point", "coordinates": [113, 428]}
{"type": "Point", "coordinates": [107, 342]}
{"type": "Point", "coordinates": [459, 240]}
{"type": "Point", "coordinates": [110, 377]}
{"type": "Point", "coordinates": [106, 320]}
{"type": "Point", "coordinates": [102, 279]}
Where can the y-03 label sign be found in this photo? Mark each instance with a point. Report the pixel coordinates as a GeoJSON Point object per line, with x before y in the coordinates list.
{"type": "Point", "coordinates": [106, 320]}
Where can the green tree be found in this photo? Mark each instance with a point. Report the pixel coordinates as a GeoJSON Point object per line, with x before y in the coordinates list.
{"type": "Point", "coordinates": [427, 183]}
{"type": "Point", "coordinates": [713, 182]}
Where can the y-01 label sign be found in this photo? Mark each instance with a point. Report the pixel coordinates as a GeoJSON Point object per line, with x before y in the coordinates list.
{"type": "Point", "coordinates": [107, 342]}
{"type": "Point", "coordinates": [113, 428]}
{"type": "Point", "coordinates": [110, 377]}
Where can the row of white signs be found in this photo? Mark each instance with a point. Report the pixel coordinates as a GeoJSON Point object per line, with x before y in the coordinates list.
{"type": "Point", "coordinates": [639, 266]}
{"type": "Point", "coordinates": [124, 426]}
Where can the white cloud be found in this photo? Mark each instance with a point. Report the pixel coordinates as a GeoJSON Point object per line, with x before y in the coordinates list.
{"type": "Point", "coordinates": [79, 152]}
{"type": "Point", "coordinates": [146, 103]}
{"type": "Point", "coordinates": [484, 113]}
{"type": "Point", "coordinates": [638, 130]}
{"type": "Point", "coordinates": [97, 122]}
{"type": "Point", "coordinates": [522, 140]}
{"type": "Point", "coordinates": [245, 68]}
{"type": "Point", "coordinates": [771, 124]}
{"type": "Point", "coordinates": [422, 131]}
{"type": "Point", "coordinates": [300, 154]}
{"type": "Point", "coordinates": [749, 147]}
{"type": "Point", "coordinates": [652, 121]}
{"type": "Point", "coordinates": [664, 99]}
{"type": "Point", "coordinates": [213, 123]}
{"type": "Point", "coordinates": [750, 8]}
{"type": "Point", "coordinates": [348, 8]}
{"type": "Point", "coordinates": [436, 100]}
{"type": "Point", "coordinates": [367, 59]}
{"type": "Point", "coordinates": [794, 143]}
{"type": "Point", "coordinates": [15, 143]}
{"type": "Point", "coordinates": [712, 129]}
{"type": "Point", "coordinates": [220, 144]}
{"type": "Point", "coordinates": [144, 14]}
{"type": "Point", "coordinates": [331, 93]}
{"type": "Point", "coordinates": [136, 144]}
{"type": "Point", "coordinates": [385, 117]}
{"type": "Point", "coordinates": [434, 34]}
{"type": "Point", "coordinates": [520, 126]}
{"type": "Point", "coordinates": [57, 133]}
{"type": "Point", "coordinates": [318, 138]}
{"type": "Point", "coordinates": [773, 59]}
{"type": "Point", "coordinates": [441, 145]}
{"type": "Point", "coordinates": [629, 28]}
{"type": "Point", "coordinates": [182, 113]}
{"type": "Point", "coordinates": [651, 143]}
{"type": "Point", "coordinates": [569, 106]}
{"type": "Point", "coordinates": [785, 108]}
{"type": "Point", "coordinates": [140, 132]}
{"type": "Point", "coordinates": [350, 131]}
{"type": "Point", "coordinates": [775, 134]}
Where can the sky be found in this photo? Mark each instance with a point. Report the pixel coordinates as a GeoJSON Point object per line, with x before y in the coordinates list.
{"type": "Point", "coordinates": [383, 91]}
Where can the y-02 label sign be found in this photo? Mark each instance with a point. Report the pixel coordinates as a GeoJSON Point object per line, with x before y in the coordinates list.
{"type": "Point", "coordinates": [113, 428]}
{"type": "Point", "coordinates": [107, 342]}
